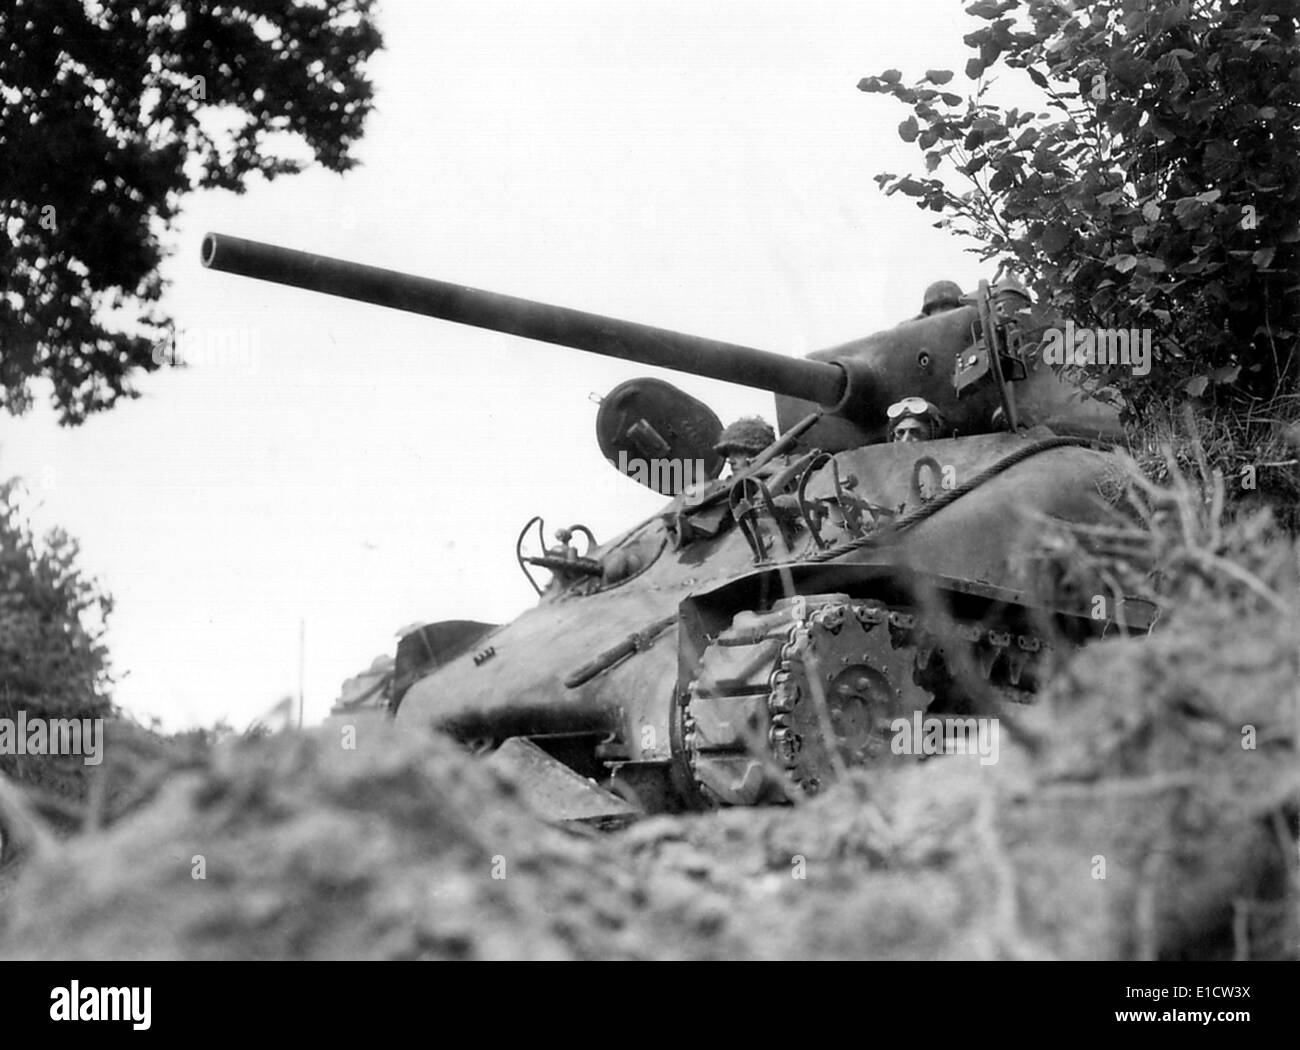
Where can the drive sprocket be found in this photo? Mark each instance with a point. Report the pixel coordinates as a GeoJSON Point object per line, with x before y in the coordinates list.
{"type": "Point", "coordinates": [787, 699]}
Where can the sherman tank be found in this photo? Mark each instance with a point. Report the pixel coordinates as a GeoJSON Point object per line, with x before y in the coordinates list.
{"type": "Point", "coordinates": [766, 630]}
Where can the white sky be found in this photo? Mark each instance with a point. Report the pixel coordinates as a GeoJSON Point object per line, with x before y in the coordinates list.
{"type": "Point", "coordinates": [705, 167]}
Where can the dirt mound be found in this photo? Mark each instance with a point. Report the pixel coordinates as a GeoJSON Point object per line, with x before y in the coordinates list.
{"type": "Point", "coordinates": [1177, 759]}
{"type": "Point", "coordinates": [296, 846]}
{"type": "Point", "coordinates": [1143, 828]}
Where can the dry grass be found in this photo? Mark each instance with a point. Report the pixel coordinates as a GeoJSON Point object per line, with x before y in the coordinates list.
{"type": "Point", "coordinates": [1177, 539]}
{"type": "Point", "coordinates": [1255, 450]}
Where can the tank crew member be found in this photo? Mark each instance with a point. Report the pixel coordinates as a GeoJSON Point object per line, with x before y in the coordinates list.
{"type": "Point", "coordinates": [914, 419]}
{"type": "Point", "coordinates": [698, 513]}
{"type": "Point", "coordinates": [1010, 296]}
{"type": "Point", "coordinates": [743, 440]}
{"type": "Point", "coordinates": [941, 296]}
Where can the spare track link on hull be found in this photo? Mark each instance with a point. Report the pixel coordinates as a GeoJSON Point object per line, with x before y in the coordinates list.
{"type": "Point", "coordinates": [775, 687]}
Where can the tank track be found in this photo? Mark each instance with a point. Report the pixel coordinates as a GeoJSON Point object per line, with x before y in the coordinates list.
{"type": "Point", "coordinates": [776, 687]}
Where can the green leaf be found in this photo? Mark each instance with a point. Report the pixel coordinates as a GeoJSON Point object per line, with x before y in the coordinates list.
{"type": "Point", "coordinates": [938, 76]}
{"type": "Point", "coordinates": [974, 68]}
{"type": "Point", "coordinates": [1151, 211]}
{"type": "Point", "coordinates": [1054, 238]}
{"type": "Point", "coordinates": [1196, 387]}
{"type": "Point", "coordinates": [1263, 257]}
{"type": "Point", "coordinates": [1221, 159]}
{"type": "Point", "coordinates": [1160, 131]}
{"type": "Point", "coordinates": [1123, 262]}
{"type": "Point", "coordinates": [907, 130]}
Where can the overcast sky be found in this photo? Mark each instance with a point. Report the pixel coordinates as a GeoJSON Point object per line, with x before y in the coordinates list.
{"type": "Point", "coordinates": [705, 167]}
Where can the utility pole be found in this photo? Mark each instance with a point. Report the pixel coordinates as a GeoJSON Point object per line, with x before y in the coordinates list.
{"type": "Point", "coordinates": [302, 653]}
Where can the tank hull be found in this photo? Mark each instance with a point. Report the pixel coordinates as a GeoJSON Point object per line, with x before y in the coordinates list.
{"type": "Point", "coordinates": [514, 681]}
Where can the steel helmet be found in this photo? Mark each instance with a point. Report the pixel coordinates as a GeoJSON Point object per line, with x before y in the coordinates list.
{"type": "Point", "coordinates": [1008, 286]}
{"type": "Point", "coordinates": [942, 295]}
{"type": "Point", "coordinates": [751, 434]}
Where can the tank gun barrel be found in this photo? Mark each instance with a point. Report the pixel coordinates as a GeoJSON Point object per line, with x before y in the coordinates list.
{"type": "Point", "coordinates": [822, 382]}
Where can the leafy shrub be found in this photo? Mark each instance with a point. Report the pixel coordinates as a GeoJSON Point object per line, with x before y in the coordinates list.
{"type": "Point", "coordinates": [1159, 189]}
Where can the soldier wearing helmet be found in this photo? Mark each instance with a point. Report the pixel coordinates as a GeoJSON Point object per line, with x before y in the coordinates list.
{"type": "Point", "coordinates": [1010, 296]}
{"type": "Point", "coordinates": [914, 419]}
{"type": "Point", "coordinates": [941, 296]}
{"type": "Point", "coordinates": [743, 440]}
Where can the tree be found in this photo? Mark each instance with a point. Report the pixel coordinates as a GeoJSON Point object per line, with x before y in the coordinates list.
{"type": "Point", "coordinates": [53, 661]}
{"type": "Point", "coordinates": [1160, 190]}
{"type": "Point", "coordinates": [109, 112]}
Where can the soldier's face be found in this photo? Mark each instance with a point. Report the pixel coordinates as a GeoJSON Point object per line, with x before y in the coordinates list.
{"type": "Point", "coordinates": [911, 430]}
{"type": "Point", "coordinates": [738, 461]}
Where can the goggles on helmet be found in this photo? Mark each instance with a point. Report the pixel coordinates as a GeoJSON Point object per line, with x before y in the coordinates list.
{"type": "Point", "coordinates": [910, 406]}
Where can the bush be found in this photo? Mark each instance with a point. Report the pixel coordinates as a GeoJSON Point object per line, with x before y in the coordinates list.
{"type": "Point", "coordinates": [53, 661]}
{"type": "Point", "coordinates": [1160, 190]}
